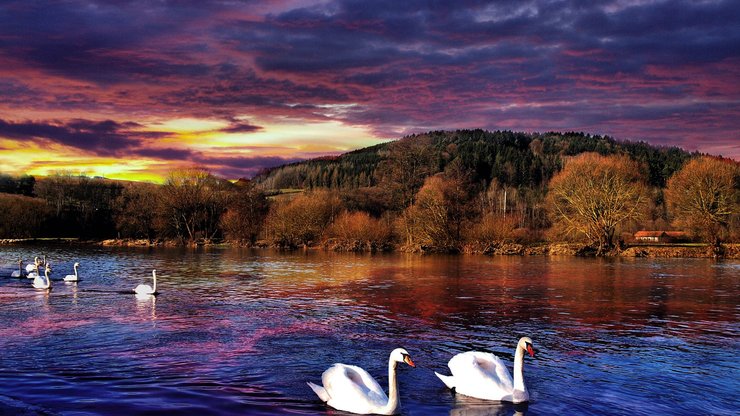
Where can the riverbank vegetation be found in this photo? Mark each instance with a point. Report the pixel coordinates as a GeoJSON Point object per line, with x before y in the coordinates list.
{"type": "Point", "coordinates": [462, 191]}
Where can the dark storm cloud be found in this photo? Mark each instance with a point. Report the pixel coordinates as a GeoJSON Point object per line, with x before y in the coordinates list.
{"type": "Point", "coordinates": [89, 63]}
{"type": "Point", "coordinates": [245, 162]}
{"type": "Point", "coordinates": [242, 167]}
{"type": "Point", "coordinates": [238, 88]}
{"type": "Point", "coordinates": [101, 137]}
{"type": "Point", "coordinates": [240, 127]}
{"type": "Point", "coordinates": [101, 42]}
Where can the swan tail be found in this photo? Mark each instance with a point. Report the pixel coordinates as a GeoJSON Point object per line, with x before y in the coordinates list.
{"type": "Point", "coordinates": [320, 391]}
{"type": "Point", "coordinates": [448, 380]}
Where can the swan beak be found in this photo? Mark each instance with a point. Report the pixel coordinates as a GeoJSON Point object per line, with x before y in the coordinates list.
{"type": "Point", "coordinates": [408, 361]}
{"type": "Point", "coordinates": [530, 350]}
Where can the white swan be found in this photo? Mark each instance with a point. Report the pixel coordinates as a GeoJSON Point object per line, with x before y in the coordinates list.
{"type": "Point", "coordinates": [352, 389]}
{"type": "Point", "coordinates": [72, 277]}
{"type": "Point", "coordinates": [146, 289]}
{"type": "Point", "coordinates": [31, 267]}
{"type": "Point", "coordinates": [42, 282]}
{"type": "Point", "coordinates": [33, 274]}
{"type": "Point", "coordinates": [485, 376]}
{"type": "Point", "coordinates": [18, 273]}
{"type": "Point", "coordinates": [36, 273]}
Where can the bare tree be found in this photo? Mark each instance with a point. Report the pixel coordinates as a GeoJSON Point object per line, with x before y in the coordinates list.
{"type": "Point", "coordinates": [82, 206]}
{"type": "Point", "coordinates": [245, 213]}
{"type": "Point", "coordinates": [594, 194]}
{"type": "Point", "coordinates": [22, 216]}
{"type": "Point", "coordinates": [703, 196]}
{"type": "Point", "coordinates": [192, 203]}
{"type": "Point", "coordinates": [435, 219]}
{"type": "Point", "coordinates": [135, 212]}
{"type": "Point", "coordinates": [359, 230]}
{"type": "Point", "coordinates": [404, 167]}
{"type": "Point", "coordinates": [303, 219]}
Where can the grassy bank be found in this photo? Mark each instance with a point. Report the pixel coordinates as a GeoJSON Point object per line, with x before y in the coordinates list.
{"type": "Point", "coordinates": [727, 251]}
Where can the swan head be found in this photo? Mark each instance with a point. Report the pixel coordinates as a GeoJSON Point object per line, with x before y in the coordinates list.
{"type": "Point", "coordinates": [525, 343]}
{"type": "Point", "coordinates": [400, 355]}
{"type": "Point", "coordinates": [76, 265]}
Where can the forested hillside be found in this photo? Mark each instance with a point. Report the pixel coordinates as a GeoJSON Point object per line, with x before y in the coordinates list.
{"type": "Point", "coordinates": [512, 159]}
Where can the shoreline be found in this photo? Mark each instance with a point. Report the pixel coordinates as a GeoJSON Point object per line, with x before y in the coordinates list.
{"type": "Point", "coordinates": [728, 251]}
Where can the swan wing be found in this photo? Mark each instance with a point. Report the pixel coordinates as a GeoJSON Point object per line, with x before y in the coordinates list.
{"type": "Point", "coordinates": [352, 389]}
{"type": "Point", "coordinates": [481, 375]}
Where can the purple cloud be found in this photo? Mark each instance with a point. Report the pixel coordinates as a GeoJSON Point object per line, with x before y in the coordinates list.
{"type": "Point", "coordinates": [104, 138]}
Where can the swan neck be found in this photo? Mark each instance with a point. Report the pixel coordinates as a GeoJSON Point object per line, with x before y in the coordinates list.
{"type": "Point", "coordinates": [518, 374]}
{"type": "Point", "coordinates": [154, 278]}
{"type": "Point", "coordinates": [393, 400]}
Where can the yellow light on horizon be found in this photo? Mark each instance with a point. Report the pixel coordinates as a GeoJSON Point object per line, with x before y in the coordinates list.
{"type": "Point", "coordinates": [288, 138]}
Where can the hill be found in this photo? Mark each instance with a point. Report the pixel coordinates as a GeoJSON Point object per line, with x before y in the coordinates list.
{"type": "Point", "coordinates": [514, 159]}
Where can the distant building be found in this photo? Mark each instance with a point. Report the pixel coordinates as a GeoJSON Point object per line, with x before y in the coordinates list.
{"type": "Point", "coordinates": [661, 236]}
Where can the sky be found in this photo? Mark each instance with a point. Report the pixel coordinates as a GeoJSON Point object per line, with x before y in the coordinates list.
{"type": "Point", "coordinates": [133, 89]}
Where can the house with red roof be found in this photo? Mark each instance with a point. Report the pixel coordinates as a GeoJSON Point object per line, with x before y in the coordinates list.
{"type": "Point", "coordinates": [661, 236]}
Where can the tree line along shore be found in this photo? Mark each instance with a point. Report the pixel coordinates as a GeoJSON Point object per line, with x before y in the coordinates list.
{"type": "Point", "coordinates": [696, 250]}
{"type": "Point", "coordinates": [466, 191]}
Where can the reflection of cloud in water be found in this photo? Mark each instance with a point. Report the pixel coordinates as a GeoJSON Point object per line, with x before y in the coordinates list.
{"type": "Point", "coordinates": [469, 406]}
{"type": "Point", "coordinates": [40, 325]}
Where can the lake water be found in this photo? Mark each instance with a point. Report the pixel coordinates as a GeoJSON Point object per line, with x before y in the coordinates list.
{"type": "Point", "coordinates": [239, 332]}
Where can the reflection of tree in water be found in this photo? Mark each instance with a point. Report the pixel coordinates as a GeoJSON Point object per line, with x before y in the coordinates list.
{"type": "Point", "coordinates": [514, 295]}
{"type": "Point", "coordinates": [657, 306]}
{"type": "Point", "coordinates": [455, 290]}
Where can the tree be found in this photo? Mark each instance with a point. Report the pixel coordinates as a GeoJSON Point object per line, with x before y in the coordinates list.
{"type": "Point", "coordinates": [436, 217]}
{"type": "Point", "coordinates": [594, 194]}
{"type": "Point", "coordinates": [82, 206]}
{"type": "Point", "coordinates": [22, 185]}
{"type": "Point", "coordinates": [403, 170]}
{"type": "Point", "coordinates": [703, 196]}
{"type": "Point", "coordinates": [246, 212]}
{"type": "Point", "coordinates": [135, 212]}
{"type": "Point", "coordinates": [358, 230]}
{"type": "Point", "coordinates": [22, 216]}
{"type": "Point", "coordinates": [303, 219]}
{"type": "Point", "coordinates": [192, 203]}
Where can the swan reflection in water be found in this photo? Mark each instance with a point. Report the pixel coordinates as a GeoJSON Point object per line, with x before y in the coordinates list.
{"type": "Point", "coordinates": [73, 288]}
{"type": "Point", "coordinates": [470, 406]}
{"type": "Point", "coordinates": [146, 303]}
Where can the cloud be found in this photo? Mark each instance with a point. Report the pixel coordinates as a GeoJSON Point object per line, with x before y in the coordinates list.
{"type": "Point", "coordinates": [240, 127]}
{"type": "Point", "coordinates": [242, 167]}
{"type": "Point", "coordinates": [164, 153]}
{"type": "Point", "coordinates": [104, 138]}
{"type": "Point", "coordinates": [636, 69]}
